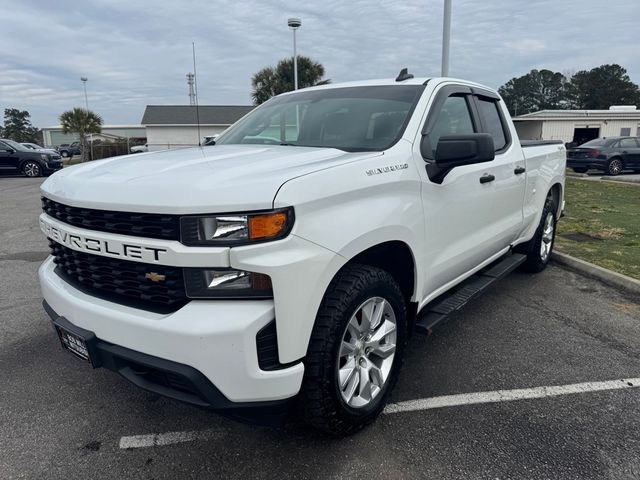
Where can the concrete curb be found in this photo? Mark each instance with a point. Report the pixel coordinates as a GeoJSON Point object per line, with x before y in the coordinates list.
{"type": "Point", "coordinates": [594, 271]}
{"type": "Point", "coordinates": [628, 181]}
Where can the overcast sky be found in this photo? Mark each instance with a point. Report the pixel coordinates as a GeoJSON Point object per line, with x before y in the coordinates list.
{"type": "Point", "coordinates": [137, 52]}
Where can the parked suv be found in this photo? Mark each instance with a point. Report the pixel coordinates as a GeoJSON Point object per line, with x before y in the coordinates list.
{"type": "Point", "coordinates": [612, 155]}
{"type": "Point", "coordinates": [70, 150]}
{"type": "Point", "coordinates": [16, 158]}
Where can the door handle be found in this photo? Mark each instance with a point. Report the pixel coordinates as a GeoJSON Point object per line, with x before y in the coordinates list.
{"type": "Point", "coordinates": [519, 170]}
{"type": "Point", "coordinates": [486, 178]}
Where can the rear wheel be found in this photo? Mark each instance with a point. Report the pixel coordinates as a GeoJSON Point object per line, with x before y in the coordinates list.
{"type": "Point", "coordinates": [614, 167]}
{"type": "Point", "coordinates": [64, 154]}
{"type": "Point", "coordinates": [355, 351]}
{"type": "Point", "coordinates": [31, 169]}
{"type": "Point", "coordinates": [580, 169]}
{"type": "Point", "coordinates": [538, 249]}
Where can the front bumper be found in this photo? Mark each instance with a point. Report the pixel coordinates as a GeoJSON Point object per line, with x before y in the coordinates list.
{"type": "Point", "coordinates": [51, 167]}
{"type": "Point", "coordinates": [216, 339]}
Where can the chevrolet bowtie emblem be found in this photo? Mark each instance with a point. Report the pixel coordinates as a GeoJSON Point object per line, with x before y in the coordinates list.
{"type": "Point", "coordinates": [155, 277]}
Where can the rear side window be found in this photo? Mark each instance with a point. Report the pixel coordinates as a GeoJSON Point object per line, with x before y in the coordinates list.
{"type": "Point", "coordinates": [492, 122]}
{"type": "Point", "coordinates": [628, 143]}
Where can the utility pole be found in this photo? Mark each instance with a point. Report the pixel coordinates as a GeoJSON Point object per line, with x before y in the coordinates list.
{"type": "Point", "coordinates": [446, 38]}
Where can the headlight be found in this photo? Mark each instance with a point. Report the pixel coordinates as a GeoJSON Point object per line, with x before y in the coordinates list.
{"type": "Point", "coordinates": [44, 157]}
{"type": "Point", "coordinates": [226, 283]}
{"type": "Point", "coordinates": [236, 229]}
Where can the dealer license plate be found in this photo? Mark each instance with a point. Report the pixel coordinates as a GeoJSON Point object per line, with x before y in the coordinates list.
{"type": "Point", "coordinates": [74, 343]}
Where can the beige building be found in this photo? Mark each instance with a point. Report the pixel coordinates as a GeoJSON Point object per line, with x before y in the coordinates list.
{"type": "Point", "coordinates": [176, 126]}
{"type": "Point", "coordinates": [579, 126]}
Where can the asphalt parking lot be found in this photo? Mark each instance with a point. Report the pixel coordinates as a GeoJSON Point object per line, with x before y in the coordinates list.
{"type": "Point", "coordinates": [60, 419]}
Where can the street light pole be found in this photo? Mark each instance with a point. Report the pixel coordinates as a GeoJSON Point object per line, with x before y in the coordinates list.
{"type": "Point", "coordinates": [86, 104]}
{"type": "Point", "coordinates": [86, 100]}
{"type": "Point", "coordinates": [446, 38]}
{"type": "Point", "coordinates": [294, 24]}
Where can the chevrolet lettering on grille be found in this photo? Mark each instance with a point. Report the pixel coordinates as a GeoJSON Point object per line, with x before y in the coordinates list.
{"type": "Point", "coordinates": [87, 244]}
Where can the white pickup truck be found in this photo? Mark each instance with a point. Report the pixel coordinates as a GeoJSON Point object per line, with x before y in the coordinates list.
{"type": "Point", "coordinates": [292, 259]}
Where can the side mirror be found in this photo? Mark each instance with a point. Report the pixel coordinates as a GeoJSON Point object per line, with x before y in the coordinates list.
{"type": "Point", "coordinates": [10, 151]}
{"type": "Point", "coordinates": [457, 150]}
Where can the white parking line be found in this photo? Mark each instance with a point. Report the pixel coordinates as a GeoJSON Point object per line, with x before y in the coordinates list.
{"type": "Point", "coordinates": [169, 438]}
{"type": "Point", "coordinates": [509, 395]}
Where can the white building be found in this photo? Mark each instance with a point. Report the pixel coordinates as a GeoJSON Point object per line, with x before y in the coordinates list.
{"type": "Point", "coordinates": [579, 126]}
{"type": "Point", "coordinates": [175, 126]}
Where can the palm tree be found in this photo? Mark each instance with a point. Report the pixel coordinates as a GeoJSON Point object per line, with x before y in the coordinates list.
{"type": "Point", "coordinates": [81, 122]}
{"type": "Point", "coordinates": [271, 81]}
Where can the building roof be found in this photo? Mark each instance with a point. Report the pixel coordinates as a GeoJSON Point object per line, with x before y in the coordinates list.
{"type": "Point", "coordinates": [103, 127]}
{"type": "Point", "coordinates": [223, 115]}
{"type": "Point", "coordinates": [615, 114]}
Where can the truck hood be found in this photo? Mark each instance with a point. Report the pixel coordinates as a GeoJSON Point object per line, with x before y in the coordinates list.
{"type": "Point", "coordinates": [221, 178]}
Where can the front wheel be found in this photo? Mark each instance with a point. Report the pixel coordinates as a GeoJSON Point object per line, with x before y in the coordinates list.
{"type": "Point", "coordinates": [355, 351]}
{"type": "Point", "coordinates": [538, 249]}
{"type": "Point", "coordinates": [31, 169]}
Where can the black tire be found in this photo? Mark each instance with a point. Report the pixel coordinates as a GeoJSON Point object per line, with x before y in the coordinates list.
{"type": "Point", "coordinates": [64, 154]}
{"type": "Point", "coordinates": [322, 403]}
{"type": "Point", "coordinates": [31, 168]}
{"type": "Point", "coordinates": [580, 169]}
{"type": "Point", "coordinates": [615, 166]}
{"type": "Point", "coordinates": [535, 261]}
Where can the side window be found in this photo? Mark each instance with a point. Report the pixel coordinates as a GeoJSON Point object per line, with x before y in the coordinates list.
{"type": "Point", "coordinates": [453, 118]}
{"type": "Point", "coordinates": [628, 143]}
{"type": "Point", "coordinates": [492, 122]}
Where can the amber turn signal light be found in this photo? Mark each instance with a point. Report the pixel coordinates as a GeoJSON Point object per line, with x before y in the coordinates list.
{"type": "Point", "coordinates": [267, 226]}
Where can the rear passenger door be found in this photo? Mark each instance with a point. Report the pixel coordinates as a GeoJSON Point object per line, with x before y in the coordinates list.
{"type": "Point", "coordinates": [508, 166]}
{"type": "Point", "coordinates": [630, 151]}
{"type": "Point", "coordinates": [469, 221]}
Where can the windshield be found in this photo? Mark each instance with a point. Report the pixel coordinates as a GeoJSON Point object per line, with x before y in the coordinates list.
{"type": "Point", "coordinates": [16, 146]}
{"type": "Point", "coordinates": [352, 119]}
{"type": "Point", "coordinates": [32, 146]}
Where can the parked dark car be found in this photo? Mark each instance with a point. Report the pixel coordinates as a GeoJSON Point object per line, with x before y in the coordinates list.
{"type": "Point", "coordinates": [16, 158]}
{"type": "Point", "coordinates": [612, 155]}
{"type": "Point", "coordinates": [69, 150]}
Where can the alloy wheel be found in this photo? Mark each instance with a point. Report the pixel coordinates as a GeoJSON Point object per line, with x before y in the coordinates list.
{"type": "Point", "coordinates": [615, 166]}
{"type": "Point", "coordinates": [367, 352]}
{"type": "Point", "coordinates": [32, 169]}
{"type": "Point", "coordinates": [547, 237]}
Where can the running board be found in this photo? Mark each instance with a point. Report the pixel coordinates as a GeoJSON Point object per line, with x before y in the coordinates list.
{"type": "Point", "coordinates": [439, 309]}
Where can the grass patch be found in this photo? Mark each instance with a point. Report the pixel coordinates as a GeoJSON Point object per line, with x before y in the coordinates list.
{"type": "Point", "coordinates": [609, 214]}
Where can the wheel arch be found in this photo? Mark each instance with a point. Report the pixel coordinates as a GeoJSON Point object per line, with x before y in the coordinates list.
{"type": "Point", "coordinates": [25, 160]}
{"type": "Point", "coordinates": [395, 257]}
{"type": "Point", "coordinates": [556, 193]}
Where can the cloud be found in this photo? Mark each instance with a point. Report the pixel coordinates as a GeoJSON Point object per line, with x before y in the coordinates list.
{"type": "Point", "coordinates": [138, 52]}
